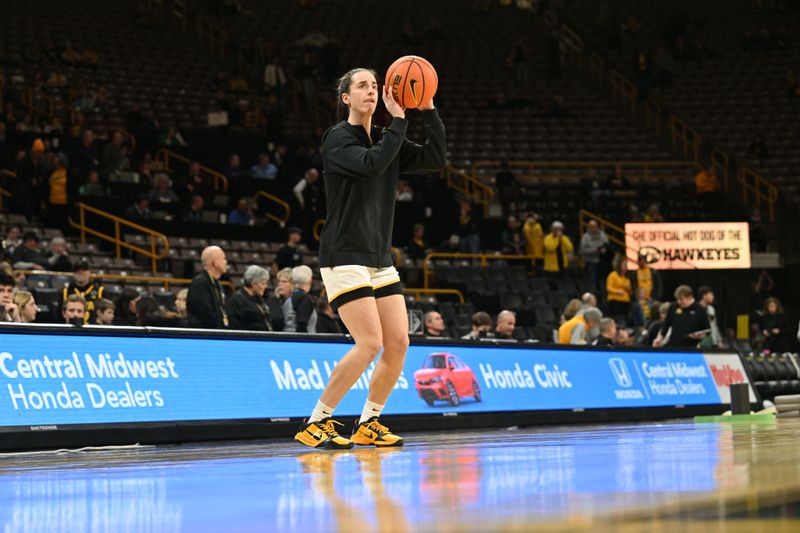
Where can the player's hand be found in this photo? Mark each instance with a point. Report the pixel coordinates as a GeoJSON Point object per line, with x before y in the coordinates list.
{"type": "Point", "coordinates": [391, 104]}
{"type": "Point", "coordinates": [697, 335]}
{"type": "Point", "coordinates": [426, 106]}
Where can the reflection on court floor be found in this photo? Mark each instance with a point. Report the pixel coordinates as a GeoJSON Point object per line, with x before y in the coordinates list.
{"type": "Point", "coordinates": [550, 477]}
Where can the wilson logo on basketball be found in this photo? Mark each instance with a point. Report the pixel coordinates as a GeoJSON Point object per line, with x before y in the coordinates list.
{"type": "Point", "coordinates": [726, 375]}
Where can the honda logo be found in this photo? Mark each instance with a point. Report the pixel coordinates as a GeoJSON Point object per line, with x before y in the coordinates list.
{"type": "Point", "coordinates": [620, 371]}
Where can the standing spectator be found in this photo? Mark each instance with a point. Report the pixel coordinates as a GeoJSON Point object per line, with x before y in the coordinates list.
{"type": "Point", "coordinates": [299, 311]}
{"type": "Point", "coordinates": [9, 312]}
{"type": "Point", "coordinates": [512, 239]}
{"type": "Point", "coordinates": [558, 250]}
{"type": "Point", "coordinates": [774, 327]}
{"type": "Point", "coordinates": [706, 183]}
{"type": "Point", "coordinates": [246, 308]}
{"type": "Point", "coordinates": [594, 245]}
{"type": "Point", "coordinates": [29, 256]}
{"type": "Point", "coordinates": [619, 289]}
{"type": "Point", "coordinates": [434, 325]}
{"type": "Point", "coordinates": [327, 319]}
{"type": "Point", "coordinates": [418, 247]}
{"type": "Point", "coordinates": [289, 255]}
{"type": "Point", "coordinates": [205, 302]}
{"type": "Point", "coordinates": [57, 199]}
{"type": "Point", "coordinates": [617, 182]}
{"type": "Point", "coordinates": [113, 157]}
{"type": "Point", "coordinates": [58, 257]}
{"type": "Point", "coordinates": [468, 224]}
{"type": "Point", "coordinates": [506, 323]}
{"type": "Point", "coordinates": [646, 278]}
{"type": "Point", "coordinates": [307, 192]}
{"type": "Point", "coordinates": [481, 326]}
{"type": "Point", "coordinates": [26, 306]}
{"type": "Point", "coordinates": [534, 235]}
{"type": "Point", "coordinates": [104, 312]}
{"type": "Point", "coordinates": [714, 340]}
{"type": "Point", "coordinates": [84, 286]}
{"type": "Point", "coordinates": [33, 171]}
{"type": "Point", "coordinates": [686, 323]}
{"type": "Point", "coordinates": [608, 334]}
{"type": "Point", "coordinates": [198, 183]}
{"type": "Point", "coordinates": [243, 214]}
{"type": "Point", "coordinates": [576, 330]}
{"type": "Point", "coordinates": [264, 169]}
{"type": "Point", "coordinates": [74, 310]}
{"type": "Point", "coordinates": [508, 186]}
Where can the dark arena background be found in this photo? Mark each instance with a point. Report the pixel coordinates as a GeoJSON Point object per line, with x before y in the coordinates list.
{"type": "Point", "coordinates": [601, 284]}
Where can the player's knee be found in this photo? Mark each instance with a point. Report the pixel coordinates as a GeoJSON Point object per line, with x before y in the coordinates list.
{"type": "Point", "coordinates": [396, 343]}
{"type": "Point", "coordinates": [371, 346]}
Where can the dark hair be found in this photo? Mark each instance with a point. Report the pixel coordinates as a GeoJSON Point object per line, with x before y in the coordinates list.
{"type": "Point", "coordinates": [146, 309]}
{"type": "Point", "coordinates": [30, 235]}
{"type": "Point", "coordinates": [6, 280]}
{"type": "Point", "coordinates": [702, 291]}
{"type": "Point", "coordinates": [344, 87]}
{"type": "Point", "coordinates": [102, 304]}
{"type": "Point", "coordinates": [772, 299]}
{"type": "Point", "coordinates": [124, 317]}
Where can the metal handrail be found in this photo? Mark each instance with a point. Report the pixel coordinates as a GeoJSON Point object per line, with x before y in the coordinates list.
{"type": "Point", "coordinates": [166, 281]}
{"type": "Point", "coordinates": [3, 192]}
{"type": "Point", "coordinates": [484, 259]}
{"type": "Point", "coordinates": [607, 226]}
{"type": "Point", "coordinates": [220, 180]}
{"type": "Point", "coordinates": [533, 166]}
{"type": "Point", "coordinates": [117, 239]}
{"type": "Point", "coordinates": [761, 189]}
{"type": "Point", "coordinates": [315, 229]}
{"type": "Point", "coordinates": [418, 291]}
{"type": "Point", "coordinates": [470, 186]}
{"type": "Point", "coordinates": [286, 209]}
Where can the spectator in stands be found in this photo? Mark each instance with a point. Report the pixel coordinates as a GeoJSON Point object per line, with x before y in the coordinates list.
{"type": "Point", "coordinates": [125, 313]}
{"type": "Point", "coordinates": [404, 192]}
{"type": "Point", "coordinates": [505, 324]}
{"type": "Point", "coordinates": [706, 301]}
{"type": "Point", "coordinates": [588, 300]}
{"type": "Point", "coordinates": [654, 328]}
{"type": "Point", "coordinates": [573, 307]}
{"type": "Point", "coordinates": [57, 209]}
{"type": "Point", "coordinates": [198, 183]}
{"type": "Point", "coordinates": [9, 312]}
{"type": "Point", "coordinates": [576, 330]}
{"type": "Point", "coordinates": [706, 183]}
{"type": "Point", "coordinates": [418, 247]}
{"type": "Point", "coordinates": [113, 157]}
{"type": "Point", "coordinates": [327, 320]}
{"type": "Point", "coordinates": [180, 304]}
{"type": "Point", "coordinates": [618, 286]}
{"type": "Point", "coordinates": [434, 325]}
{"type": "Point", "coordinates": [205, 303]}
{"type": "Point", "coordinates": [618, 183]}
{"type": "Point", "coordinates": [299, 312]}
{"type": "Point", "coordinates": [140, 211]}
{"type": "Point", "coordinates": [686, 323]}
{"type": "Point", "coordinates": [84, 286]}
{"type": "Point", "coordinates": [172, 137]}
{"type": "Point", "coordinates": [74, 310]}
{"type": "Point", "coordinates": [58, 257]}
{"type": "Point", "coordinates": [594, 245]}
{"type": "Point", "coordinates": [663, 64]}
{"type": "Point", "coordinates": [758, 232]}
{"type": "Point", "coordinates": [508, 186]}
{"type": "Point", "coordinates": [283, 290]}
{"type": "Point", "coordinates": [93, 187]}
{"type": "Point", "coordinates": [243, 214]}
{"type": "Point", "coordinates": [758, 149]}
{"type": "Point", "coordinates": [646, 278]}
{"type": "Point", "coordinates": [234, 168]}
{"type": "Point", "coordinates": [246, 307]}
{"type": "Point", "coordinates": [26, 305]}
{"type": "Point", "coordinates": [534, 235]}
{"type": "Point", "coordinates": [84, 157]}
{"type": "Point", "coordinates": [481, 326]}
{"type": "Point", "coordinates": [774, 327]}
{"type": "Point", "coordinates": [33, 171]}
{"type": "Point", "coordinates": [558, 250]}
{"type": "Point", "coordinates": [468, 225]}
{"type": "Point", "coordinates": [264, 169]}
{"type": "Point", "coordinates": [512, 239]}
{"type": "Point", "coordinates": [289, 255]}
{"type": "Point", "coordinates": [12, 239]}
{"type": "Point", "coordinates": [104, 312]}
{"type": "Point", "coordinates": [195, 211]}
{"type": "Point", "coordinates": [594, 188]}
{"type": "Point", "coordinates": [624, 337]}
{"type": "Point", "coordinates": [608, 334]}
{"type": "Point", "coordinates": [641, 308]}
{"type": "Point", "coordinates": [653, 214]}
{"type": "Point", "coordinates": [29, 256]}
{"type": "Point", "coordinates": [634, 215]}
{"type": "Point", "coordinates": [150, 313]}
{"type": "Point", "coordinates": [162, 192]}
{"type": "Point", "coordinates": [69, 55]}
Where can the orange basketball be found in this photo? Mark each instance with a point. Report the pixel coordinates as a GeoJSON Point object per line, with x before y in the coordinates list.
{"type": "Point", "coordinates": [412, 80]}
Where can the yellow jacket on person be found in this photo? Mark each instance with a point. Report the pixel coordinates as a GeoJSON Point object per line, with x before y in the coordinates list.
{"type": "Point", "coordinates": [618, 287]}
{"type": "Point", "coordinates": [565, 330]}
{"type": "Point", "coordinates": [535, 237]}
{"type": "Point", "coordinates": [58, 187]}
{"type": "Point", "coordinates": [550, 246]}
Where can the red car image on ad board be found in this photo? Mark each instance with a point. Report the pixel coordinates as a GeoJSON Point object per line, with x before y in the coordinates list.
{"type": "Point", "coordinates": [445, 377]}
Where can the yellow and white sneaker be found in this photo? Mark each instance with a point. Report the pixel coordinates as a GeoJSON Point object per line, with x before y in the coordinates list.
{"type": "Point", "coordinates": [373, 432]}
{"type": "Point", "coordinates": [322, 434]}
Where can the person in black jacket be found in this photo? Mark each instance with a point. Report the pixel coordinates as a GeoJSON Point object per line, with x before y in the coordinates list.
{"type": "Point", "coordinates": [362, 164]}
{"type": "Point", "coordinates": [774, 327]}
{"type": "Point", "coordinates": [686, 323]}
{"type": "Point", "coordinates": [205, 303]}
{"type": "Point", "coordinates": [246, 308]}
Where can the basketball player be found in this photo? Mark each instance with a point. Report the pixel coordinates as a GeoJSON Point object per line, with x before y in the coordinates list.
{"type": "Point", "coordinates": [362, 164]}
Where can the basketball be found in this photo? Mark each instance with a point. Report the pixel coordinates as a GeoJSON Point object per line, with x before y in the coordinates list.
{"type": "Point", "coordinates": [412, 80]}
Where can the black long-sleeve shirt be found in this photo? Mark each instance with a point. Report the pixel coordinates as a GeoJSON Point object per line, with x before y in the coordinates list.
{"type": "Point", "coordinates": [205, 303]}
{"type": "Point", "coordinates": [360, 183]}
{"type": "Point", "coordinates": [248, 312]}
{"type": "Point", "coordinates": [683, 321]}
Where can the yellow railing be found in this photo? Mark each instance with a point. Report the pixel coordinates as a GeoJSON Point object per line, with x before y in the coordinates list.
{"type": "Point", "coordinates": [179, 13]}
{"type": "Point", "coordinates": [573, 43]}
{"type": "Point", "coordinates": [419, 291]}
{"type": "Point", "coordinates": [316, 229]}
{"type": "Point", "coordinates": [470, 186]}
{"type": "Point", "coordinates": [685, 138]}
{"type": "Point", "coordinates": [615, 234]}
{"type": "Point", "coordinates": [484, 259]}
{"type": "Point", "coordinates": [3, 192]}
{"type": "Point", "coordinates": [212, 34]}
{"type": "Point", "coordinates": [166, 156]}
{"type": "Point", "coordinates": [757, 190]}
{"type": "Point", "coordinates": [272, 198]}
{"type": "Point", "coordinates": [652, 115]}
{"type": "Point", "coordinates": [623, 90]}
{"type": "Point", "coordinates": [125, 278]}
{"type": "Point", "coordinates": [118, 238]}
{"type": "Point", "coordinates": [596, 69]}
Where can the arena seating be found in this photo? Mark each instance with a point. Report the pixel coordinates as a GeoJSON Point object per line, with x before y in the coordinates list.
{"type": "Point", "coordinates": [775, 374]}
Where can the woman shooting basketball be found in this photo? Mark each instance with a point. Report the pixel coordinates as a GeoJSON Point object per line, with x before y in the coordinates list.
{"type": "Point", "coordinates": [362, 166]}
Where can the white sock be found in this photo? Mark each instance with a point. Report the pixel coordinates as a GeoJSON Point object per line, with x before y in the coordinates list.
{"type": "Point", "coordinates": [370, 409]}
{"type": "Point", "coordinates": [320, 412]}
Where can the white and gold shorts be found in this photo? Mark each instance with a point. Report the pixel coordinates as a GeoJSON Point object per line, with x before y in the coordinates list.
{"type": "Point", "coordinates": [346, 283]}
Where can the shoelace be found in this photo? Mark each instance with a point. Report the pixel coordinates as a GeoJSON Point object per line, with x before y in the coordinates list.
{"type": "Point", "coordinates": [378, 428]}
{"type": "Point", "coordinates": [329, 429]}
